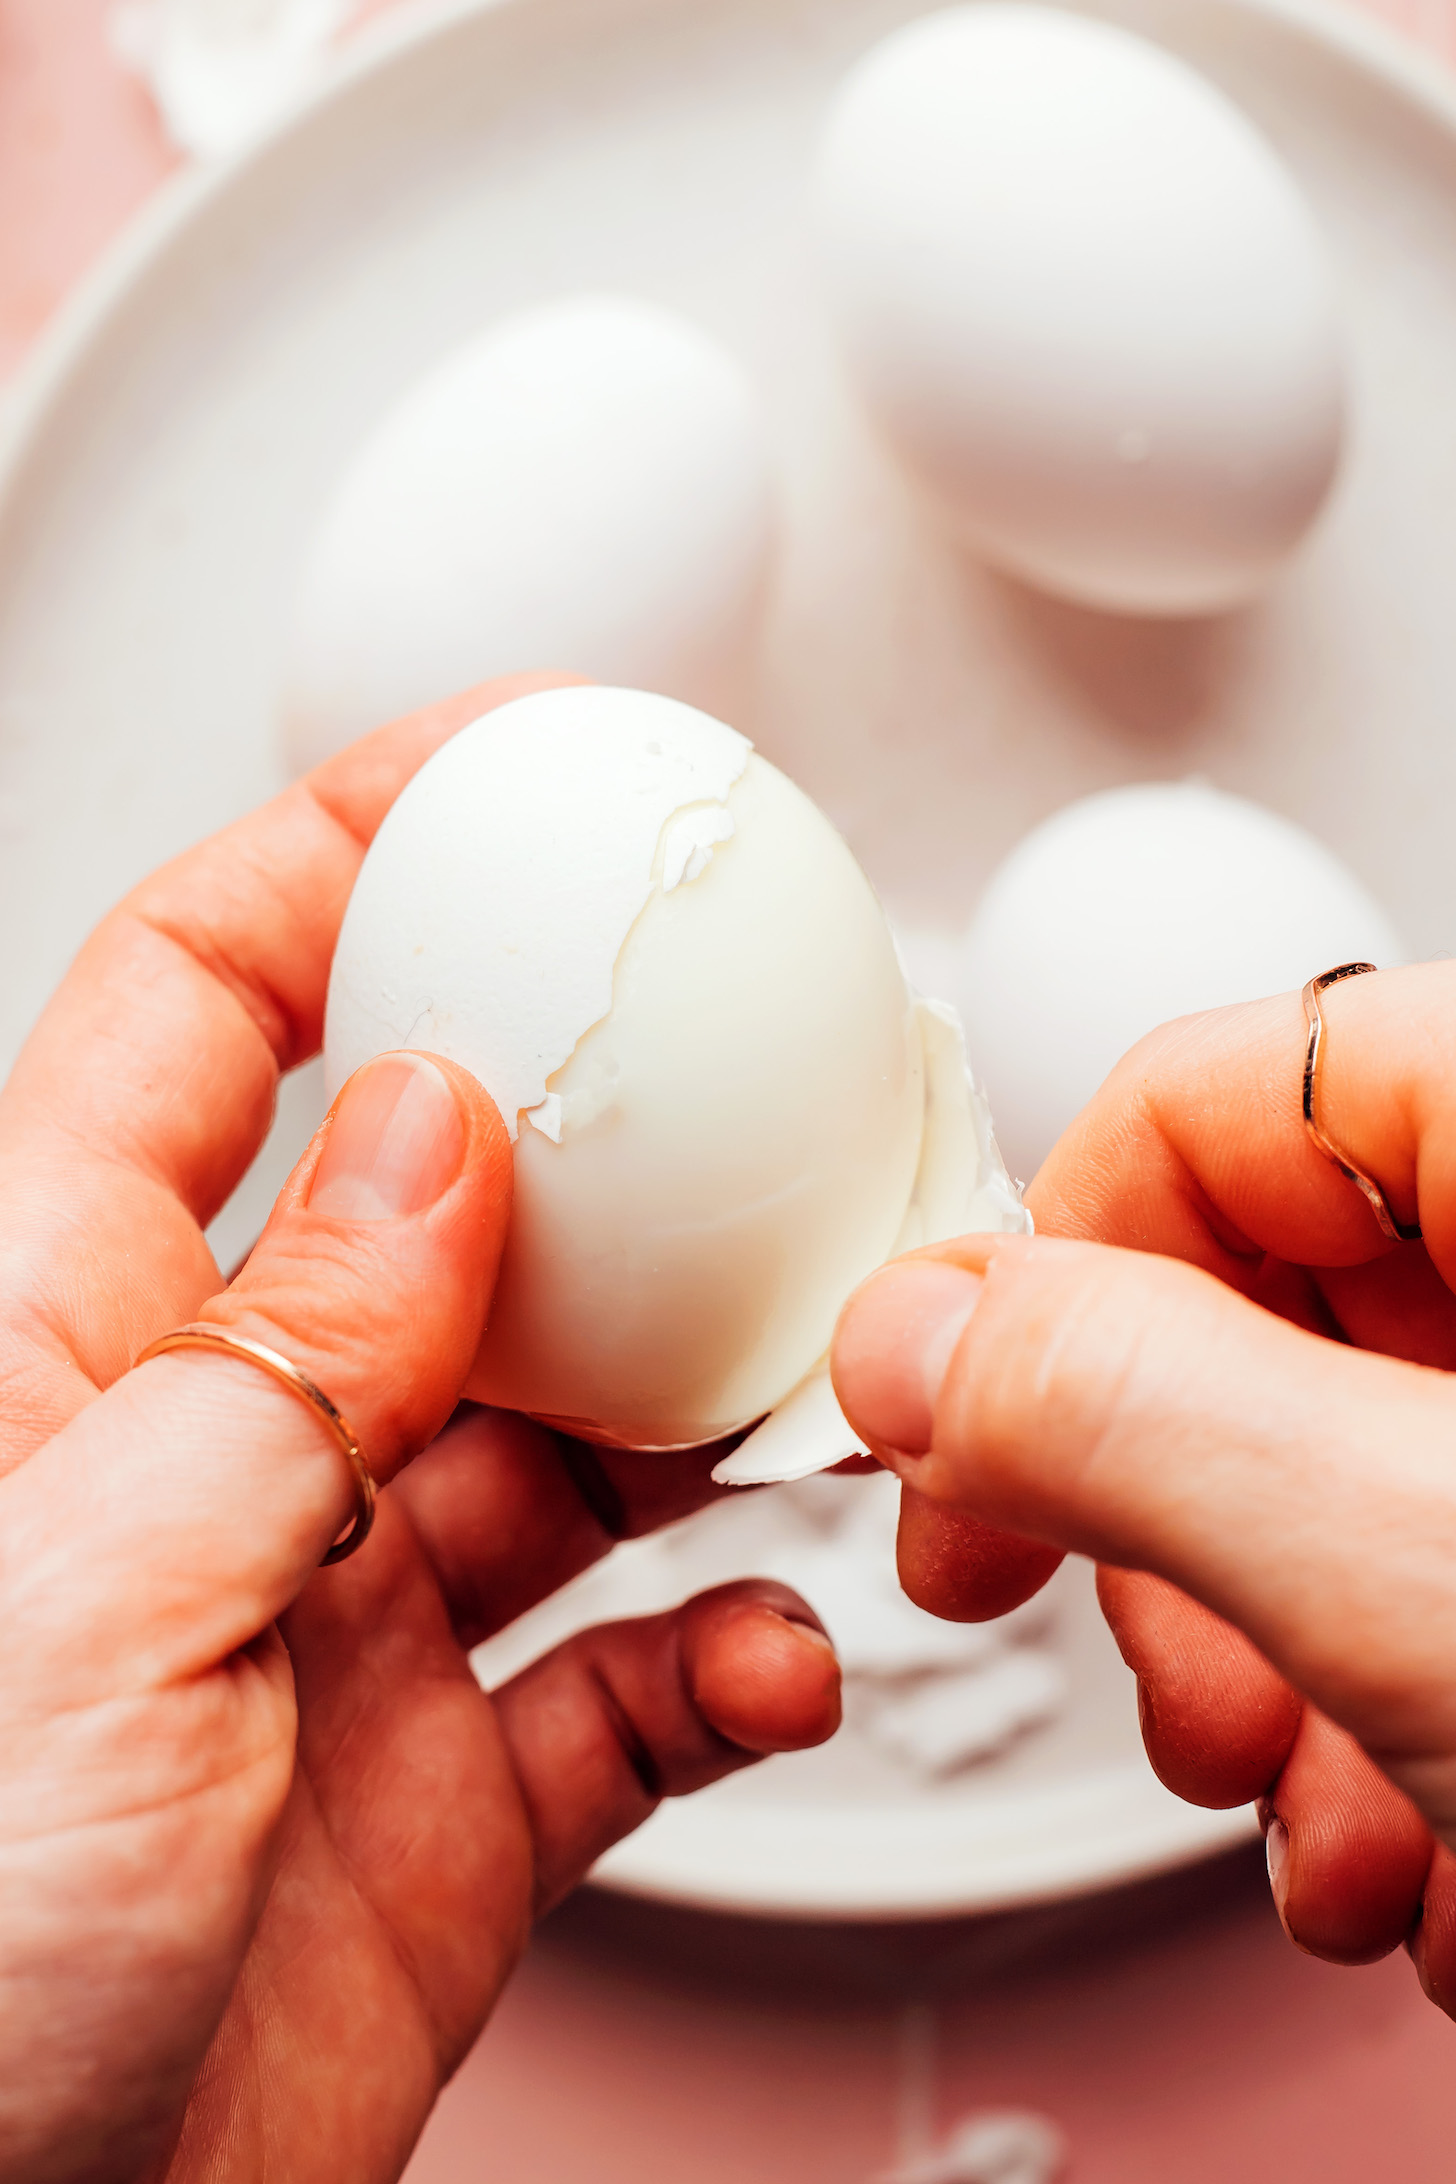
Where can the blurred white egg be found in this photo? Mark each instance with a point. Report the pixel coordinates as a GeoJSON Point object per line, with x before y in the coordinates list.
{"type": "Point", "coordinates": [583, 487]}
{"type": "Point", "coordinates": [680, 990]}
{"type": "Point", "coordinates": [1129, 908]}
{"type": "Point", "coordinates": [1086, 303]}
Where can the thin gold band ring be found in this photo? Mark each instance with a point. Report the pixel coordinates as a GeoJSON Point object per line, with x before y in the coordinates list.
{"type": "Point", "coordinates": [200, 1336]}
{"type": "Point", "coordinates": [1397, 1231]}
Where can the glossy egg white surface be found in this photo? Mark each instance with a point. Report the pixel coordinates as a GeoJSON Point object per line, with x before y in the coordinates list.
{"type": "Point", "coordinates": [669, 972]}
{"type": "Point", "coordinates": [1086, 303]}
{"type": "Point", "coordinates": [1132, 907]}
{"type": "Point", "coordinates": [584, 486]}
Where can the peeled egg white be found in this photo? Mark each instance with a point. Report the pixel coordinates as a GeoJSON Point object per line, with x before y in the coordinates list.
{"type": "Point", "coordinates": [1131, 907]}
{"type": "Point", "coordinates": [668, 971]}
{"type": "Point", "coordinates": [583, 487]}
{"type": "Point", "coordinates": [1086, 303]}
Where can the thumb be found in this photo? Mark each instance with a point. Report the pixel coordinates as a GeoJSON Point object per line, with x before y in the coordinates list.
{"type": "Point", "coordinates": [1136, 1410]}
{"type": "Point", "coordinates": [189, 1504]}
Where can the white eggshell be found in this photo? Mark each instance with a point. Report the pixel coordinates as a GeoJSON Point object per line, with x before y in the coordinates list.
{"type": "Point", "coordinates": [644, 937]}
{"type": "Point", "coordinates": [961, 1186]}
{"type": "Point", "coordinates": [1086, 303]}
{"type": "Point", "coordinates": [583, 487]}
{"type": "Point", "coordinates": [1127, 909]}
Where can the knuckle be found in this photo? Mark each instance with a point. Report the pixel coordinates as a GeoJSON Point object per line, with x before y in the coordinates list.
{"type": "Point", "coordinates": [1048, 1347]}
{"type": "Point", "coordinates": [334, 1312]}
{"type": "Point", "coordinates": [1072, 1365]}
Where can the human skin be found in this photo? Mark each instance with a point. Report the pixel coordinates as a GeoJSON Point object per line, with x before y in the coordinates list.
{"type": "Point", "coordinates": [1212, 1373]}
{"type": "Point", "coordinates": [267, 1852]}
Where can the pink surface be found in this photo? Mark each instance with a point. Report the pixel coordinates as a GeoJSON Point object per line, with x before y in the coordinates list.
{"type": "Point", "coordinates": [80, 148]}
{"type": "Point", "coordinates": [1173, 2033]}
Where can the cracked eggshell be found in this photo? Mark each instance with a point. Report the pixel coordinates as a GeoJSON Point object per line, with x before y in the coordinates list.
{"type": "Point", "coordinates": [585, 486]}
{"type": "Point", "coordinates": [669, 972]}
{"type": "Point", "coordinates": [1086, 303]}
{"type": "Point", "coordinates": [961, 1187]}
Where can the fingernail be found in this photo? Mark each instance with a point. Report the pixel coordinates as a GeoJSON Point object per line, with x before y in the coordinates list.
{"type": "Point", "coordinates": [893, 1347]}
{"type": "Point", "coordinates": [395, 1143]}
{"type": "Point", "coordinates": [812, 1635]}
{"type": "Point", "coordinates": [1276, 1856]}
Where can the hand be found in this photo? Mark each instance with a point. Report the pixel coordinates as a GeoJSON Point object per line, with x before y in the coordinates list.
{"type": "Point", "coordinates": [267, 1853]}
{"type": "Point", "coordinates": [1257, 1443]}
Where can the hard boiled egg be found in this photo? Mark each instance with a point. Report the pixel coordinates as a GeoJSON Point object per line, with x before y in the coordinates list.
{"type": "Point", "coordinates": [1087, 304]}
{"type": "Point", "coordinates": [1132, 907]}
{"type": "Point", "coordinates": [584, 486]}
{"type": "Point", "coordinates": [668, 971]}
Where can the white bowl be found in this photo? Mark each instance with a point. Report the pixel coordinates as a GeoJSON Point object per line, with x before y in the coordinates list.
{"type": "Point", "coordinates": [178, 429]}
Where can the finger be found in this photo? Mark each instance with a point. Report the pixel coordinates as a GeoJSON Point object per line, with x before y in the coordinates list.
{"type": "Point", "coordinates": [1196, 1145]}
{"type": "Point", "coordinates": [962, 1570]}
{"type": "Point", "coordinates": [148, 1084]}
{"type": "Point", "coordinates": [622, 1716]}
{"type": "Point", "coordinates": [1137, 1411]}
{"type": "Point", "coordinates": [1348, 1854]}
{"type": "Point", "coordinates": [951, 1564]}
{"type": "Point", "coordinates": [162, 1047]}
{"type": "Point", "coordinates": [507, 1511]}
{"type": "Point", "coordinates": [1432, 1942]}
{"type": "Point", "coordinates": [190, 1503]}
{"type": "Point", "coordinates": [386, 1696]}
{"type": "Point", "coordinates": [1218, 1722]}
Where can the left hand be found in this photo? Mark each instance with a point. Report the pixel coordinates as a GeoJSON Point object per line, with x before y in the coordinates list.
{"type": "Point", "coordinates": [267, 1852]}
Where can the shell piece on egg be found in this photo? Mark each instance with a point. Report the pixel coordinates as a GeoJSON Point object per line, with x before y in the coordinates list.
{"type": "Point", "coordinates": [584, 487]}
{"type": "Point", "coordinates": [470, 939]}
{"type": "Point", "coordinates": [641, 936]}
{"type": "Point", "coordinates": [961, 1186]}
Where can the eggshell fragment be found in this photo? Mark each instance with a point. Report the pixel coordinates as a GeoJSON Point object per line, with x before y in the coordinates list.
{"type": "Point", "coordinates": [1085, 302]}
{"type": "Point", "coordinates": [649, 945]}
{"type": "Point", "coordinates": [585, 486]}
{"type": "Point", "coordinates": [961, 1186]}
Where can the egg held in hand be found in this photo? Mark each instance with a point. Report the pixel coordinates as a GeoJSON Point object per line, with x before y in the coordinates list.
{"type": "Point", "coordinates": [1086, 304]}
{"type": "Point", "coordinates": [668, 971]}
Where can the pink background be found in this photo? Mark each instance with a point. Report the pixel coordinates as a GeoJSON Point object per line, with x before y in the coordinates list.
{"type": "Point", "coordinates": [1171, 2031]}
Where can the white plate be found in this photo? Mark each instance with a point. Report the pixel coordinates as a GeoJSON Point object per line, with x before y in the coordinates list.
{"type": "Point", "coordinates": [854, 1830]}
{"type": "Point", "coordinates": [175, 434]}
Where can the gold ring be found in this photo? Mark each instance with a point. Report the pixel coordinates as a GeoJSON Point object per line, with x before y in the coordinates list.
{"type": "Point", "coordinates": [200, 1336]}
{"type": "Point", "coordinates": [1397, 1231]}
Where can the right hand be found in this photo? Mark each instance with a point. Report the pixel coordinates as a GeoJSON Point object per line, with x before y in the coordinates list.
{"type": "Point", "coordinates": [1212, 1373]}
